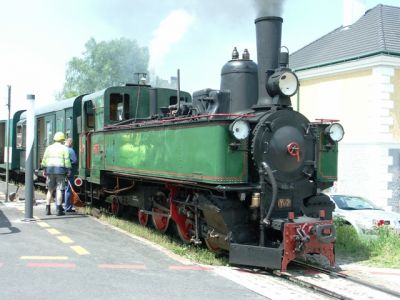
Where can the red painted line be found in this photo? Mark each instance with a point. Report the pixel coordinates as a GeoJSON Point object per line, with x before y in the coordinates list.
{"type": "Point", "coordinates": [51, 265]}
{"type": "Point", "coordinates": [192, 267]}
{"type": "Point", "coordinates": [112, 266]}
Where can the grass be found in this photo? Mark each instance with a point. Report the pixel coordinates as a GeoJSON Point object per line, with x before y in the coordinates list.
{"type": "Point", "coordinates": [198, 254]}
{"type": "Point", "coordinates": [382, 249]}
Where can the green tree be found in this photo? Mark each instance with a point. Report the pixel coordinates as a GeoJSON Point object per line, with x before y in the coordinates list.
{"type": "Point", "coordinates": [104, 64]}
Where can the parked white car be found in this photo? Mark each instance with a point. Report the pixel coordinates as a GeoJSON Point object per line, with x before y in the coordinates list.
{"type": "Point", "coordinates": [363, 215]}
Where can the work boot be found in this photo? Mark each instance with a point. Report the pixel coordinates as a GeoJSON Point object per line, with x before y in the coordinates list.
{"type": "Point", "coordinates": [60, 211]}
{"type": "Point", "coordinates": [48, 212]}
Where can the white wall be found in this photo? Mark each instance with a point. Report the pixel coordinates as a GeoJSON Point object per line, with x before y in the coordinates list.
{"type": "Point", "coordinates": [360, 95]}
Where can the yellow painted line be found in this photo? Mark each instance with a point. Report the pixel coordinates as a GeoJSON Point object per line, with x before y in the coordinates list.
{"type": "Point", "coordinates": [53, 231]}
{"type": "Point", "coordinates": [65, 239]}
{"type": "Point", "coordinates": [20, 208]}
{"type": "Point", "coordinates": [43, 224]}
{"type": "Point", "coordinates": [44, 257]}
{"type": "Point", "coordinates": [80, 250]}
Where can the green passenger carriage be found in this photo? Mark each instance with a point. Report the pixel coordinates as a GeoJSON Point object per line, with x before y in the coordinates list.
{"type": "Point", "coordinates": [15, 154]}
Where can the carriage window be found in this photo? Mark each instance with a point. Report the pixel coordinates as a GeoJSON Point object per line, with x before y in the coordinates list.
{"type": "Point", "coordinates": [21, 134]}
{"type": "Point", "coordinates": [68, 126]}
{"type": "Point", "coordinates": [49, 133]}
{"type": "Point", "coordinates": [119, 107]}
{"type": "Point", "coordinates": [60, 122]}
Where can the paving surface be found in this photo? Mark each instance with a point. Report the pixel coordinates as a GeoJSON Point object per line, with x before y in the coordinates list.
{"type": "Point", "coordinates": [77, 256]}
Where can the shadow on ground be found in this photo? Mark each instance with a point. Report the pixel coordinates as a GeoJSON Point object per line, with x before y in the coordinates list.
{"type": "Point", "coordinates": [6, 226]}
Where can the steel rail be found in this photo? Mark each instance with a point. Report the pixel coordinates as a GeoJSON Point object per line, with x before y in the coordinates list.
{"type": "Point", "coordinates": [350, 278]}
{"type": "Point", "coordinates": [309, 285]}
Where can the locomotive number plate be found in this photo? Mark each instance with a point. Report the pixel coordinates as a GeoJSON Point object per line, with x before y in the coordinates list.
{"type": "Point", "coordinates": [284, 203]}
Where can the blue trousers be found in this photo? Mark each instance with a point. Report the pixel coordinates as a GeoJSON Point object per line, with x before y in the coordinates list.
{"type": "Point", "coordinates": [68, 204]}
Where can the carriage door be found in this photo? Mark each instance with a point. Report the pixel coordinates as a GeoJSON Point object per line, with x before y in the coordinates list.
{"type": "Point", "coordinates": [48, 127]}
{"type": "Point", "coordinates": [87, 126]}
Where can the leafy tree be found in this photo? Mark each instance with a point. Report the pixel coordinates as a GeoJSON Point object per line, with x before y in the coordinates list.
{"type": "Point", "coordinates": [104, 64]}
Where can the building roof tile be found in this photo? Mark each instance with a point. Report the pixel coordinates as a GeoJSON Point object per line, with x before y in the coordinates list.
{"type": "Point", "coordinates": [376, 32]}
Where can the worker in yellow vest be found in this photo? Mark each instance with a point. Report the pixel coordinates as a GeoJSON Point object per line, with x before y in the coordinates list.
{"type": "Point", "coordinates": [57, 166]}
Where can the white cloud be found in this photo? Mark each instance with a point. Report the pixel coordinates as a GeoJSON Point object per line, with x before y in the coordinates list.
{"type": "Point", "coordinates": [28, 71]}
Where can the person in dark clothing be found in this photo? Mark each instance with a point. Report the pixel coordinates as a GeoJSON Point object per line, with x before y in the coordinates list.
{"type": "Point", "coordinates": [68, 207]}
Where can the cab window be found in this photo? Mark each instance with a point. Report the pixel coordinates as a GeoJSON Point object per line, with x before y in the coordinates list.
{"type": "Point", "coordinates": [119, 107]}
{"type": "Point", "coordinates": [89, 112]}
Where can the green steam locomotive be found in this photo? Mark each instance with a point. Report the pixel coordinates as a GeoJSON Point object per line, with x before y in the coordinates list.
{"type": "Point", "coordinates": [236, 168]}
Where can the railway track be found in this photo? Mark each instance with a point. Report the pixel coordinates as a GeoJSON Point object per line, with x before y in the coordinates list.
{"type": "Point", "coordinates": [315, 287]}
{"type": "Point", "coordinates": [336, 285]}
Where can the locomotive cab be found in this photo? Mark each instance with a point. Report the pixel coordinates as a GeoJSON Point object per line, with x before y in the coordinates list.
{"type": "Point", "coordinates": [114, 109]}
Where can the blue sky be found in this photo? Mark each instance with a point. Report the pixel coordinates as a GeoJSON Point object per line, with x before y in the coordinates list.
{"type": "Point", "coordinates": [39, 37]}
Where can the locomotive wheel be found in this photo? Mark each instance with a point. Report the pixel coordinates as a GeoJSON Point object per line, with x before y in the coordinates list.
{"type": "Point", "coordinates": [212, 246]}
{"type": "Point", "coordinates": [184, 233]}
{"type": "Point", "coordinates": [160, 220]}
{"type": "Point", "coordinates": [115, 207]}
{"type": "Point", "coordinates": [143, 217]}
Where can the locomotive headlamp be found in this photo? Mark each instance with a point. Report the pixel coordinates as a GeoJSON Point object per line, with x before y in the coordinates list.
{"type": "Point", "coordinates": [240, 129]}
{"type": "Point", "coordinates": [283, 82]}
{"type": "Point", "coordinates": [335, 132]}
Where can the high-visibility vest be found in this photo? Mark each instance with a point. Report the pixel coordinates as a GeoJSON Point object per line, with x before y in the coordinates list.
{"type": "Point", "coordinates": [56, 159]}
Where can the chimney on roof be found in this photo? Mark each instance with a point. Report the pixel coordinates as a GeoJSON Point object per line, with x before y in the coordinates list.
{"type": "Point", "coordinates": [352, 11]}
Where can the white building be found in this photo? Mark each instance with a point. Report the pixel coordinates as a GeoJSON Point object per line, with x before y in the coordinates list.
{"type": "Point", "coordinates": [353, 74]}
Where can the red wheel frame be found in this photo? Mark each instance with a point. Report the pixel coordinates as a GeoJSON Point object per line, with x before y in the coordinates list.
{"type": "Point", "coordinates": [143, 217]}
{"type": "Point", "coordinates": [160, 220]}
{"type": "Point", "coordinates": [184, 233]}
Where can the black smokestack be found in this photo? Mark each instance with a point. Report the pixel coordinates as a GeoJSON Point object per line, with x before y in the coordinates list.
{"type": "Point", "coordinates": [268, 31]}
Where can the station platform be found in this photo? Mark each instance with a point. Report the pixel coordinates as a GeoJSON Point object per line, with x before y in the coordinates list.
{"type": "Point", "coordinates": [76, 256]}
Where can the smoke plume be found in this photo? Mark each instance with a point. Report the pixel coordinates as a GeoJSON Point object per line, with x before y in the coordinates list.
{"type": "Point", "coordinates": [268, 8]}
{"type": "Point", "coordinates": [170, 31]}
